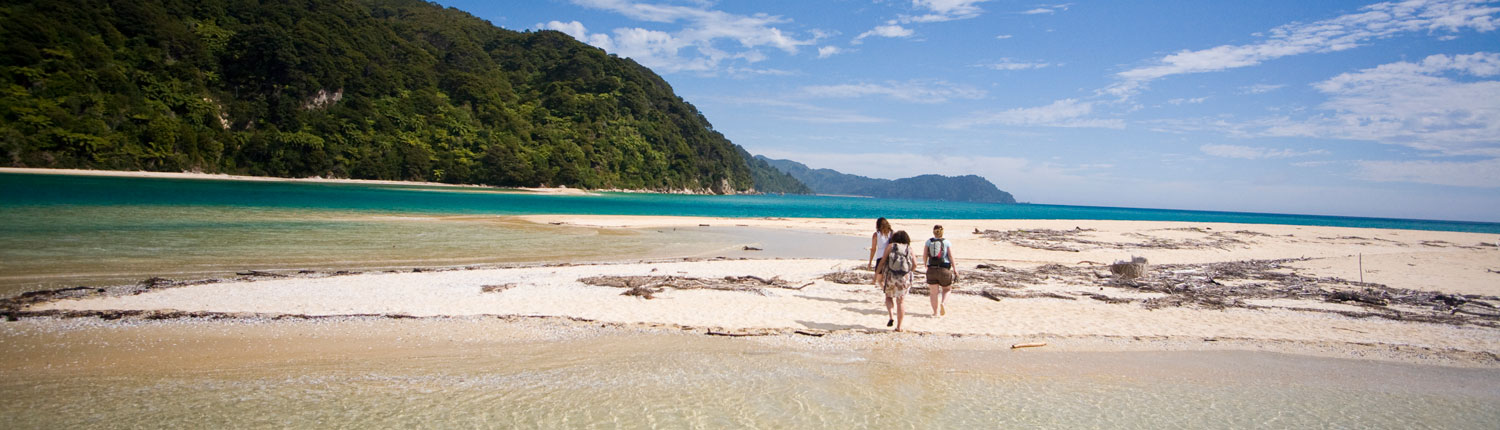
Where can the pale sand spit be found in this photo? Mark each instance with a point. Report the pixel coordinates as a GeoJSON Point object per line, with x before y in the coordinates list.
{"type": "Point", "coordinates": [1063, 306]}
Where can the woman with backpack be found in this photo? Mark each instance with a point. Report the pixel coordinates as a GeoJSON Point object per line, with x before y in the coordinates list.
{"type": "Point", "coordinates": [898, 267]}
{"type": "Point", "coordinates": [877, 245]}
{"type": "Point", "coordinates": [940, 271]}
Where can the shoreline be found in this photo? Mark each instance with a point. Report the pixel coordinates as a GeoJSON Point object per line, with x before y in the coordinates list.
{"type": "Point", "coordinates": [1411, 296]}
{"type": "Point", "coordinates": [558, 190]}
{"type": "Point", "coordinates": [315, 179]}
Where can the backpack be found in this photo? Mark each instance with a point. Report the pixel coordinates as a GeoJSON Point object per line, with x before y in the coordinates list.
{"type": "Point", "coordinates": [900, 262]}
{"type": "Point", "coordinates": [937, 252]}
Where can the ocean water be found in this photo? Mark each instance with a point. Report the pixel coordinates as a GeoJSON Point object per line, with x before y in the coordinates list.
{"type": "Point", "coordinates": [19, 190]}
{"type": "Point", "coordinates": [65, 230]}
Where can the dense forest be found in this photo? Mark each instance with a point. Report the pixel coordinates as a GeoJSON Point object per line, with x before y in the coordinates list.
{"type": "Point", "coordinates": [967, 188]}
{"type": "Point", "coordinates": [367, 89]}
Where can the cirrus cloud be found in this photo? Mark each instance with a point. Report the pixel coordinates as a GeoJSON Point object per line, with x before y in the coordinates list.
{"type": "Point", "coordinates": [1344, 32]}
{"type": "Point", "coordinates": [919, 92]}
{"type": "Point", "coordinates": [1068, 113]}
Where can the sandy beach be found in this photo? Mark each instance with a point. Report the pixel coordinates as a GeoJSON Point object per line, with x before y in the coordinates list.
{"type": "Point", "coordinates": [1210, 287]}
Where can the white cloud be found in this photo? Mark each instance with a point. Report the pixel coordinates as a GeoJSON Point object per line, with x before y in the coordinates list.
{"type": "Point", "coordinates": [1479, 174]}
{"type": "Point", "coordinates": [746, 71]}
{"type": "Point", "coordinates": [1437, 105]}
{"type": "Point", "coordinates": [803, 112]}
{"type": "Point", "coordinates": [1004, 36]}
{"type": "Point", "coordinates": [1062, 113]}
{"type": "Point", "coordinates": [933, 92]}
{"type": "Point", "coordinates": [1047, 9]}
{"type": "Point", "coordinates": [1337, 34]}
{"type": "Point", "coordinates": [1254, 153]}
{"type": "Point", "coordinates": [697, 46]}
{"type": "Point", "coordinates": [829, 51]}
{"type": "Point", "coordinates": [1008, 64]}
{"type": "Point", "coordinates": [1418, 105]}
{"type": "Point", "coordinates": [1185, 101]}
{"type": "Point", "coordinates": [1260, 88]}
{"type": "Point", "coordinates": [891, 30]}
{"type": "Point", "coordinates": [944, 10]}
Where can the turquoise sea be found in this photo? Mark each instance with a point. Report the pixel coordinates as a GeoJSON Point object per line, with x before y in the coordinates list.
{"type": "Point", "coordinates": [61, 231]}
{"type": "Point", "coordinates": [41, 191]}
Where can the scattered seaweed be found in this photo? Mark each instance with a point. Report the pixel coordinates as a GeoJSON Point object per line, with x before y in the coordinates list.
{"type": "Point", "coordinates": [648, 286]}
{"type": "Point", "coordinates": [1230, 284]}
{"type": "Point", "coordinates": [496, 288]}
{"type": "Point", "coordinates": [1073, 240]}
{"type": "Point", "coordinates": [850, 277]}
{"type": "Point", "coordinates": [1043, 239]}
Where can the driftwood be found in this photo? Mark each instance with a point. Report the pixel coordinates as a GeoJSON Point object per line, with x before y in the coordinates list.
{"type": "Point", "coordinates": [496, 288]}
{"type": "Point", "coordinates": [850, 277]}
{"type": "Point", "coordinates": [1206, 285]}
{"type": "Point", "coordinates": [1107, 299]}
{"type": "Point", "coordinates": [1028, 345]}
{"type": "Point", "coordinates": [647, 286]}
{"type": "Point", "coordinates": [997, 294]}
{"type": "Point", "coordinates": [260, 273]}
{"type": "Point", "coordinates": [1132, 269]}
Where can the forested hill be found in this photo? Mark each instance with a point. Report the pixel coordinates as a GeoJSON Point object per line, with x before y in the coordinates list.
{"type": "Point", "coordinates": [967, 188]}
{"type": "Point", "coordinates": [372, 89]}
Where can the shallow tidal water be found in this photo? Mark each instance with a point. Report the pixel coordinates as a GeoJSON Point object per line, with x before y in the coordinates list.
{"type": "Point", "coordinates": [59, 247]}
{"type": "Point", "coordinates": [302, 379]}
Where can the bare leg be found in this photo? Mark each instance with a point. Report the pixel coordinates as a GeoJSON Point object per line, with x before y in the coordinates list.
{"type": "Point", "coordinates": [934, 291]}
{"type": "Point", "coordinates": [889, 304]}
{"type": "Point", "coordinates": [900, 311]}
{"type": "Point", "coordinates": [943, 303]}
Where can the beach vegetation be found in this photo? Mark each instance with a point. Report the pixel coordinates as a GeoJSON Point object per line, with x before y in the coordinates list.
{"type": "Point", "coordinates": [364, 89]}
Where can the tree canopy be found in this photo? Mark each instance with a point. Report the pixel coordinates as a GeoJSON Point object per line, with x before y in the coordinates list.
{"type": "Point", "coordinates": [366, 89]}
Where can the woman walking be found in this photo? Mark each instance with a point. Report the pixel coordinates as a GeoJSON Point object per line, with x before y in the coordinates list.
{"type": "Point", "coordinates": [877, 245]}
{"type": "Point", "coordinates": [898, 267]}
{"type": "Point", "coordinates": [940, 271]}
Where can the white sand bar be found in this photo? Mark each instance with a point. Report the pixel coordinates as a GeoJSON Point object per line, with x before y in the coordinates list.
{"type": "Point", "coordinates": [1437, 261]}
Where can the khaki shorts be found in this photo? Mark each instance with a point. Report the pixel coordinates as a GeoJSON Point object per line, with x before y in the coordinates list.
{"type": "Point", "coordinates": [939, 276]}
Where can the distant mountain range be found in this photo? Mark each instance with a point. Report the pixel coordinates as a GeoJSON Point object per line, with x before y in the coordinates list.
{"type": "Point", "coordinates": [967, 188]}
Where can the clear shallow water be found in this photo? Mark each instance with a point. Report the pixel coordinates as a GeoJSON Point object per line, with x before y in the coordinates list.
{"type": "Point", "coordinates": [61, 230]}
{"type": "Point", "coordinates": [674, 381]}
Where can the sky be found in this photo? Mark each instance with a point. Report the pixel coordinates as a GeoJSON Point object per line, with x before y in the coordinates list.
{"type": "Point", "coordinates": [1350, 108]}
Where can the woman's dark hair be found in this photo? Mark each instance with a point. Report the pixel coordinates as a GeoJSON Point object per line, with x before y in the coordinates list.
{"type": "Point", "coordinates": [883, 226]}
{"type": "Point", "coordinates": [901, 237]}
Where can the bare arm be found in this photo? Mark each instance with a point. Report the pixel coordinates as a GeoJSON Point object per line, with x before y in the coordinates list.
{"type": "Point", "coordinates": [953, 262]}
{"type": "Point", "coordinates": [871, 263]}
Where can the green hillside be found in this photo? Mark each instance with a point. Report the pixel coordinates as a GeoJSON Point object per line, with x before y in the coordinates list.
{"type": "Point", "coordinates": [368, 89]}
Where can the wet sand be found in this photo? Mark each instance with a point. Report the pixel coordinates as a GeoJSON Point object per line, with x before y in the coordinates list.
{"type": "Point", "coordinates": [548, 372]}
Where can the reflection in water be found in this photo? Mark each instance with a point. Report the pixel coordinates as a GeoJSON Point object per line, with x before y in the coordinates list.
{"type": "Point", "coordinates": [668, 380]}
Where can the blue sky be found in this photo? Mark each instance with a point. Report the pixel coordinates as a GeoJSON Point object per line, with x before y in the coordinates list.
{"type": "Point", "coordinates": [1384, 109]}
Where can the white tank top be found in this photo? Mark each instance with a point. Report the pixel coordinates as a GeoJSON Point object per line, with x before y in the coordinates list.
{"type": "Point", "coordinates": [880, 241]}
